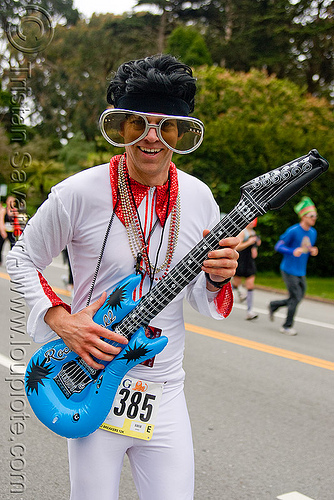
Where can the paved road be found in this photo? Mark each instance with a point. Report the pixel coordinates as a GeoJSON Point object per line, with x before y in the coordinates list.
{"type": "Point", "coordinates": [261, 406]}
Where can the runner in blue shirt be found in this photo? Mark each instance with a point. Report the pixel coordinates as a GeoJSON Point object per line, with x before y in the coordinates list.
{"type": "Point", "coordinates": [296, 245]}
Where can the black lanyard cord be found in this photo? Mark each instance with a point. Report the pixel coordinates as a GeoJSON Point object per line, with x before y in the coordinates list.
{"type": "Point", "coordinates": [101, 253]}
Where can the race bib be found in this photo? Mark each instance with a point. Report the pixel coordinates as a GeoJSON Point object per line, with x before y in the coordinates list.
{"type": "Point", "coordinates": [134, 409]}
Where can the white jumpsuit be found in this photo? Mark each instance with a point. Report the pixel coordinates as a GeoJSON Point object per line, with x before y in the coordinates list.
{"type": "Point", "coordinates": [76, 215]}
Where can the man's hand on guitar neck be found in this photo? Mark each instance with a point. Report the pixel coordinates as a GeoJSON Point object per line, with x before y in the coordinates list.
{"type": "Point", "coordinates": [82, 335]}
{"type": "Point", "coordinates": [221, 264]}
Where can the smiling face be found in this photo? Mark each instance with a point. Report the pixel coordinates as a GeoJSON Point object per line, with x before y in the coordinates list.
{"type": "Point", "coordinates": [149, 159]}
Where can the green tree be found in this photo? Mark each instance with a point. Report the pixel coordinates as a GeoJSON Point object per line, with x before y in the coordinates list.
{"type": "Point", "coordinates": [312, 38]}
{"type": "Point", "coordinates": [5, 153]}
{"type": "Point", "coordinates": [244, 33]}
{"type": "Point", "coordinates": [170, 10]}
{"type": "Point", "coordinates": [70, 79]}
{"type": "Point", "coordinates": [5, 101]}
{"type": "Point", "coordinates": [254, 123]}
{"type": "Point", "coordinates": [59, 10]}
{"type": "Point", "coordinates": [41, 176]}
{"type": "Point", "coordinates": [189, 45]}
{"type": "Point", "coordinates": [75, 153]}
{"type": "Point", "coordinates": [33, 169]}
{"type": "Point", "coordinates": [289, 39]}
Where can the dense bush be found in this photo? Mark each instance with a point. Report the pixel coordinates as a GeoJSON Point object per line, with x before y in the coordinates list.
{"type": "Point", "coordinates": [255, 123]}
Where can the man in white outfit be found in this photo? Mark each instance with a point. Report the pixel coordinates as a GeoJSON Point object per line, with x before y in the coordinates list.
{"type": "Point", "coordinates": [156, 214]}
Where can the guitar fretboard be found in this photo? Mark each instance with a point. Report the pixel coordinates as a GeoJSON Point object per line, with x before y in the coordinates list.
{"type": "Point", "coordinates": [268, 191]}
{"type": "Point", "coordinates": [186, 270]}
{"type": "Point", "coordinates": [273, 187]}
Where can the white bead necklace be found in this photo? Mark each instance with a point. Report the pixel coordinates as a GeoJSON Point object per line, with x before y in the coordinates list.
{"type": "Point", "coordinates": [136, 238]}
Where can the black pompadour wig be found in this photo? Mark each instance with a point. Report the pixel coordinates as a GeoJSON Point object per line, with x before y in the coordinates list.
{"type": "Point", "coordinates": [154, 75]}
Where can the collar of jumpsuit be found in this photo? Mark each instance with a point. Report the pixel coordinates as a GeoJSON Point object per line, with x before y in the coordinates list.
{"type": "Point", "coordinates": [139, 191]}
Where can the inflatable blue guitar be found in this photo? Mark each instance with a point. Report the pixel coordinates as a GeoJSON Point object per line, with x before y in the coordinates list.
{"type": "Point", "coordinates": [73, 399]}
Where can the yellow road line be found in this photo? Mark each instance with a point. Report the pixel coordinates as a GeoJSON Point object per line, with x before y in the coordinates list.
{"type": "Point", "coordinates": [277, 351]}
{"type": "Point", "coordinates": [61, 291]}
{"type": "Point", "coordinates": [258, 346]}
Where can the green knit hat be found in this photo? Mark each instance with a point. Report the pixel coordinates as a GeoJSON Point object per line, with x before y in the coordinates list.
{"type": "Point", "coordinates": [305, 206]}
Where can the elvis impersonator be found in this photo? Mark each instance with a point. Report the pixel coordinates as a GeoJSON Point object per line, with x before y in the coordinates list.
{"type": "Point", "coordinates": [158, 214]}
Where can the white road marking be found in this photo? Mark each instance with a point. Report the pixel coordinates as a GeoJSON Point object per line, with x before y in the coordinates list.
{"type": "Point", "coordinates": [294, 495]}
{"type": "Point", "coordinates": [283, 316]}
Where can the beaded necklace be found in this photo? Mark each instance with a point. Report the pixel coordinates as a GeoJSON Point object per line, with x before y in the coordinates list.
{"type": "Point", "coordinates": [136, 238]}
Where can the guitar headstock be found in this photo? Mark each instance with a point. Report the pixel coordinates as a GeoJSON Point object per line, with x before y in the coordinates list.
{"type": "Point", "coordinates": [270, 191]}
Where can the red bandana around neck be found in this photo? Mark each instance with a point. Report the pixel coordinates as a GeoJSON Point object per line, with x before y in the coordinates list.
{"type": "Point", "coordinates": [140, 191]}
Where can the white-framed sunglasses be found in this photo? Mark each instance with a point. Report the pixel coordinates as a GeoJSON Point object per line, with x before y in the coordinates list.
{"type": "Point", "coordinates": [181, 134]}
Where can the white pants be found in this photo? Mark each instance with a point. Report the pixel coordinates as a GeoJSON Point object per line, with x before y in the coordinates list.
{"type": "Point", "coordinates": [162, 468]}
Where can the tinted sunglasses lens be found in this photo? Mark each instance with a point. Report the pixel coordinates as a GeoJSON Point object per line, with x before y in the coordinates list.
{"type": "Point", "coordinates": [182, 135]}
{"type": "Point", "coordinates": [123, 128]}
